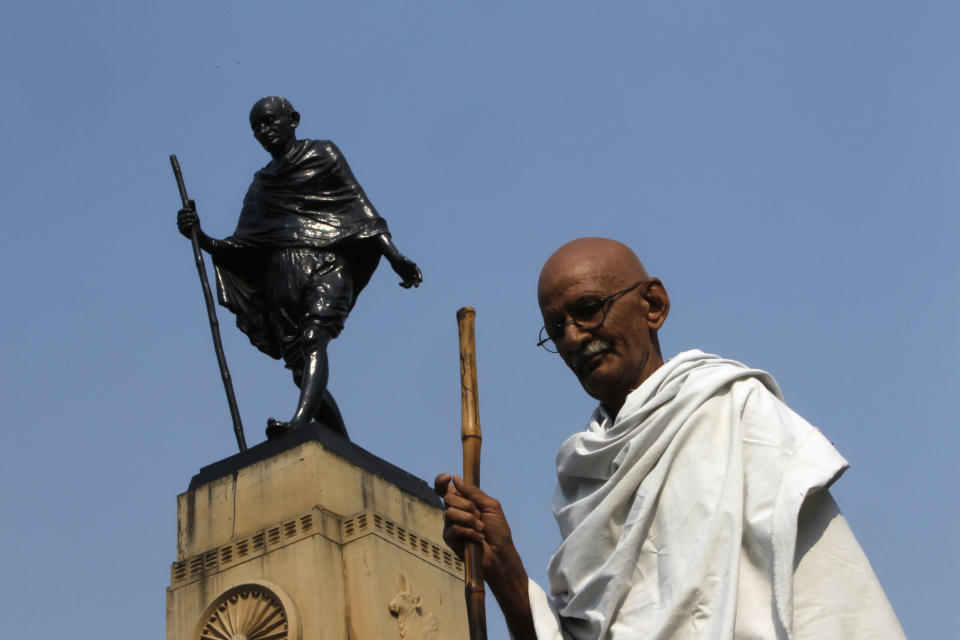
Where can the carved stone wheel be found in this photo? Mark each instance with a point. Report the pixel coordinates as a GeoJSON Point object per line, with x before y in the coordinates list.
{"type": "Point", "coordinates": [253, 611]}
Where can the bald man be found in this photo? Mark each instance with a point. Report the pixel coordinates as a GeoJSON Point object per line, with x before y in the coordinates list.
{"type": "Point", "coordinates": [695, 503]}
{"type": "Point", "coordinates": [307, 242]}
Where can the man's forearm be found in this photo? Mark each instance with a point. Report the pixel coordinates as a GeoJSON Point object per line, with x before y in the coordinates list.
{"type": "Point", "coordinates": [508, 581]}
{"type": "Point", "coordinates": [514, 599]}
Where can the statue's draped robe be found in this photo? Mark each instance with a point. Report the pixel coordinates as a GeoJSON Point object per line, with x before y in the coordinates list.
{"type": "Point", "coordinates": [307, 201]}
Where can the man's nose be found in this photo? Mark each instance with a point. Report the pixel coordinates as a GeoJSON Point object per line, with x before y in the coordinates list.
{"type": "Point", "coordinates": [573, 336]}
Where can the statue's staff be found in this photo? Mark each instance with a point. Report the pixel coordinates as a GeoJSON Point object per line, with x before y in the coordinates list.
{"type": "Point", "coordinates": [472, 439]}
{"type": "Point", "coordinates": [211, 309]}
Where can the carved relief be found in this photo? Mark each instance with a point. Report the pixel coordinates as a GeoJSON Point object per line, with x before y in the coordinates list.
{"type": "Point", "coordinates": [412, 623]}
{"type": "Point", "coordinates": [254, 611]}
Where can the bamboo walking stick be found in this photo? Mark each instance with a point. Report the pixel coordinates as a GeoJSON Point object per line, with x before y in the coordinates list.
{"type": "Point", "coordinates": [211, 310]}
{"type": "Point", "coordinates": [472, 438]}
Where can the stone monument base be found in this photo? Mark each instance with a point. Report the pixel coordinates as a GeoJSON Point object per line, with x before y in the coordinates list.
{"type": "Point", "coordinates": [310, 537]}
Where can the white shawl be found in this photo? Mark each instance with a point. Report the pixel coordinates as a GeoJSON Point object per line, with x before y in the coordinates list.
{"type": "Point", "coordinates": [679, 518]}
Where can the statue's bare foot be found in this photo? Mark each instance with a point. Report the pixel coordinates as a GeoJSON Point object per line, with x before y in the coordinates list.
{"type": "Point", "coordinates": [277, 428]}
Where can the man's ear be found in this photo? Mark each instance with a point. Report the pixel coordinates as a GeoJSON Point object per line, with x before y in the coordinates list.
{"type": "Point", "coordinates": [294, 118]}
{"type": "Point", "coordinates": [658, 304]}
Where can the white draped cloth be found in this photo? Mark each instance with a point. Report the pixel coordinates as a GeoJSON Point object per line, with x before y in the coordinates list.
{"type": "Point", "coordinates": [701, 511]}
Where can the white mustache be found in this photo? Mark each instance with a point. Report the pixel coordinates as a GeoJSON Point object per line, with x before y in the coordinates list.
{"type": "Point", "coordinates": [589, 350]}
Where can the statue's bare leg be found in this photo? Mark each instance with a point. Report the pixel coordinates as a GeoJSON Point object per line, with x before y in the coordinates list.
{"type": "Point", "coordinates": [328, 414]}
{"type": "Point", "coordinates": [313, 382]}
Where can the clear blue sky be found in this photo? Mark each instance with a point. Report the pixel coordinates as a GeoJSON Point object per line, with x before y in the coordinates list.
{"type": "Point", "coordinates": [791, 172]}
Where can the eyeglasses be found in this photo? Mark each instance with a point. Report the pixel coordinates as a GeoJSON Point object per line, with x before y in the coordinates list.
{"type": "Point", "coordinates": [587, 314]}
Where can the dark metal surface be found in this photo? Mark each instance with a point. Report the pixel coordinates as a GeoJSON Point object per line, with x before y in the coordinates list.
{"type": "Point", "coordinates": [211, 310]}
{"type": "Point", "coordinates": [307, 242]}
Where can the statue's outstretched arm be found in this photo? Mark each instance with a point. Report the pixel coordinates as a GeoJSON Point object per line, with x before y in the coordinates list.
{"type": "Point", "coordinates": [406, 268]}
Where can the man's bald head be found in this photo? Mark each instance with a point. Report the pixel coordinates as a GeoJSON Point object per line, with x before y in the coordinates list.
{"type": "Point", "coordinates": [603, 257]}
{"type": "Point", "coordinates": [611, 359]}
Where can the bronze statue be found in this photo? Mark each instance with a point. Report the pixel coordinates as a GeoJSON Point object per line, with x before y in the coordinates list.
{"type": "Point", "coordinates": [306, 244]}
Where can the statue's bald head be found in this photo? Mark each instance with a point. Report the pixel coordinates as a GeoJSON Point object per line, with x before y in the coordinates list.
{"type": "Point", "coordinates": [614, 358]}
{"type": "Point", "coordinates": [274, 122]}
{"type": "Point", "coordinates": [274, 104]}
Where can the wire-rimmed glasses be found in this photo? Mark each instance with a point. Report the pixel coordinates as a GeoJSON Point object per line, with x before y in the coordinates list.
{"type": "Point", "coordinates": [588, 314]}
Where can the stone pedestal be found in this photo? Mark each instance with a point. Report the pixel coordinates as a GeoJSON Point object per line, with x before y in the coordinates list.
{"type": "Point", "coordinates": [307, 538]}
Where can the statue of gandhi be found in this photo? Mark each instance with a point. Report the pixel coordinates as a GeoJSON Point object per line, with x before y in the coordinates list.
{"type": "Point", "coordinates": [307, 242]}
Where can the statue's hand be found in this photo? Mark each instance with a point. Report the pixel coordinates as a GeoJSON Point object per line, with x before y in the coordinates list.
{"type": "Point", "coordinates": [408, 271]}
{"type": "Point", "coordinates": [187, 219]}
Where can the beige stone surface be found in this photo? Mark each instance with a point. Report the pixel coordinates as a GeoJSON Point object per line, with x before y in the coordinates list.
{"type": "Point", "coordinates": [354, 555]}
{"type": "Point", "coordinates": [384, 577]}
{"type": "Point", "coordinates": [310, 571]}
{"type": "Point", "coordinates": [284, 485]}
